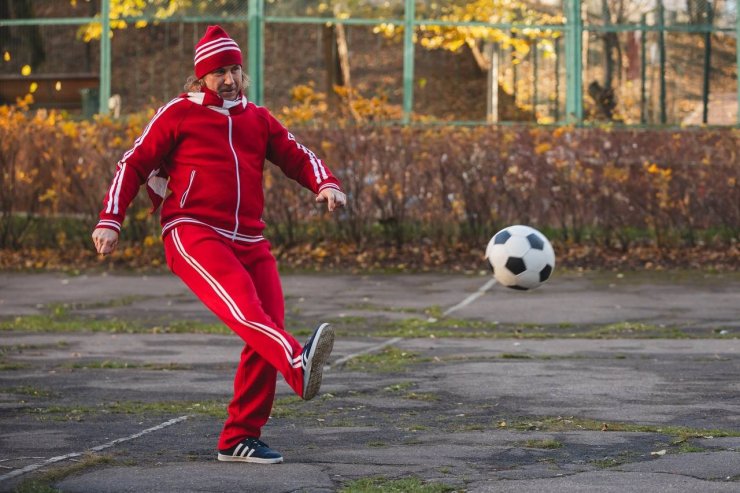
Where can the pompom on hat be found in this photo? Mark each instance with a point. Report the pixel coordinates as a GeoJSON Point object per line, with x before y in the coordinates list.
{"type": "Point", "coordinates": [215, 50]}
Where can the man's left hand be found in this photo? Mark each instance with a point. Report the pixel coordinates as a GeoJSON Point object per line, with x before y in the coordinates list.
{"type": "Point", "coordinates": [333, 198]}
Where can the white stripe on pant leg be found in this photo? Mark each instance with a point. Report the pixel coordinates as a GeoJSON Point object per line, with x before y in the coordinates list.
{"type": "Point", "coordinates": [230, 303]}
{"type": "Point", "coordinates": [233, 307]}
{"type": "Point", "coordinates": [181, 250]}
{"type": "Point", "coordinates": [223, 294]}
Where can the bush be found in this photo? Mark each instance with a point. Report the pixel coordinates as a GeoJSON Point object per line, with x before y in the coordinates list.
{"type": "Point", "coordinates": [613, 187]}
{"type": "Point", "coordinates": [409, 186]}
{"type": "Point", "coordinates": [55, 167]}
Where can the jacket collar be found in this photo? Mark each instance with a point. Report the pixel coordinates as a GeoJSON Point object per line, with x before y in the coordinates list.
{"type": "Point", "coordinates": [212, 100]}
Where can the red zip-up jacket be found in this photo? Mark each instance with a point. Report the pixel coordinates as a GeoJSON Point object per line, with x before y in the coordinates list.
{"type": "Point", "coordinates": [210, 155]}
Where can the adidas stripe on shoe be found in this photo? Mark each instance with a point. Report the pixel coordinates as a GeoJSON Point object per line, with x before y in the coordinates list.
{"type": "Point", "coordinates": [250, 450]}
{"type": "Point", "coordinates": [314, 356]}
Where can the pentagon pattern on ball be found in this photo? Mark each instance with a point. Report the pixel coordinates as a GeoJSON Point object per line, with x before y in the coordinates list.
{"type": "Point", "coordinates": [520, 257]}
{"type": "Point", "coordinates": [516, 265]}
{"type": "Point", "coordinates": [501, 237]}
{"type": "Point", "coordinates": [535, 241]}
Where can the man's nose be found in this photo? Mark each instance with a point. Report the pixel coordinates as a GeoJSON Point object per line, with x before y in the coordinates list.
{"type": "Point", "coordinates": [229, 79]}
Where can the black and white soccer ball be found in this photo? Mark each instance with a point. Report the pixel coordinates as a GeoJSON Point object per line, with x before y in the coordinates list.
{"type": "Point", "coordinates": [521, 257]}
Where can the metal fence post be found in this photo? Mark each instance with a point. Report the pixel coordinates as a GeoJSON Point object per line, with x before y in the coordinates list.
{"type": "Point", "coordinates": [643, 70]}
{"type": "Point", "coordinates": [255, 50]}
{"type": "Point", "coordinates": [535, 76]}
{"type": "Point", "coordinates": [573, 62]}
{"type": "Point", "coordinates": [408, 60]}
{"type": "Point", "coordinates": [105, 55]}
{"type": "Point", "coordinates": [557, 79]}
{"type": "Point", "coordinates": [662, 61]}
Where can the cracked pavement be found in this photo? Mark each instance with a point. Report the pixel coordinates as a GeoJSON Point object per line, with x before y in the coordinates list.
{"type": "Point", "coordinates": [480, 414]}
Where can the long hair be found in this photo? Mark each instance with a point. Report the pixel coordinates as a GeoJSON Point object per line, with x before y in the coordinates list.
{"type": "Point", "coordinates": [194, 84]}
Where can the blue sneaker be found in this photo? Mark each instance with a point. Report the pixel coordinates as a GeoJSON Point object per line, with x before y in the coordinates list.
{"type": "Point", "coordinates": [313, 358]}
{"type": "Point", "coordinates": [250, 450]}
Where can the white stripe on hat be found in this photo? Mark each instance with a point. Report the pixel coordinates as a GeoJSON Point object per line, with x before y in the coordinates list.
{"type": "Point", "coordinates": [213, 44]}
{"type": "Point", "coordinates": [202, 50]}
{"type": "Point", "coordinates": [210, 54]}
{"type": "Point", "coordinates": [205, 45]}
{"type": "Point", "coordinates": [220, 42]}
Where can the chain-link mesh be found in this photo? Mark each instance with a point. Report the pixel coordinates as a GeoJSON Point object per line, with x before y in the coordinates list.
{"type": "Point", "coordinates": [369, 9]}
{"type": "Point", "coordinates": [678, 70]}
{"type": "Point", "coordinates": [671, 13]}
{"type": "Point", "coordinates": [633, 72]}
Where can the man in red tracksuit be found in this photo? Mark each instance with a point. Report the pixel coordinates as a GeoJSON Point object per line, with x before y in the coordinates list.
{"type": "Point", "coordinates": [208, 148]}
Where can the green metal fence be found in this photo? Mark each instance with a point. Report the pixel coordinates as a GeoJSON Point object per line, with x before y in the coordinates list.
{"type": "Point", "coordinates": [637, 62]}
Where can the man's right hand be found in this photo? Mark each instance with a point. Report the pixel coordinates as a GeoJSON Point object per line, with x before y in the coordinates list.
{"type": "Point", "coordinates": [106, 240]}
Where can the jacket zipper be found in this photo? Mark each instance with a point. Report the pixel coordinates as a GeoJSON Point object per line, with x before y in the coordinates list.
{"type": "Point", "coordinates": [187, 190]}
{"type": "Point", "coordinates": [238, 184]}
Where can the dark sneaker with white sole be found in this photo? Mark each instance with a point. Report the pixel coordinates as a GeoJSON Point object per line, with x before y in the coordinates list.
{"type": "Point", "coordinates": [250, 450]}
{"type": "Point", "coordinates": [313, 358]}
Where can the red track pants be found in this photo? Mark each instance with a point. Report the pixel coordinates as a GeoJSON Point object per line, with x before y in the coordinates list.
{"type": "Point", "coordinates": [239, 282]}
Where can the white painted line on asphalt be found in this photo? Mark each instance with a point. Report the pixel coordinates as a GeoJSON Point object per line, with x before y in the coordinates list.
{"type": "Point", "coordinates": [481, 291]}
{"type": "Point", "coordinates": [372, 349]}
{"type": "Point", "coordinates": [104, 446]}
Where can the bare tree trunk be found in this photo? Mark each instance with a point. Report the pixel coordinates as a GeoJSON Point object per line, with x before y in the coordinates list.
{"type": "Point", "coordinates": [336, 56]}
{"type": "Point", "coordinates": [603, 94]}
{"type": "Point", "coordinates": [331, 62]}
{"type": "Point", "coordinates": [483, 63]}
{"type": "Point", "coordinates": [343, 55]}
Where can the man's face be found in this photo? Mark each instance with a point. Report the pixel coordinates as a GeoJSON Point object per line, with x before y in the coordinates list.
{"type": "Point", "coordinates": [226, 81]}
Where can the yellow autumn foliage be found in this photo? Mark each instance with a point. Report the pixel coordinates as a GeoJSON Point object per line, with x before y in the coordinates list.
{"type": "Point", "coordinates": [161, 9]}
{"type": "Point", "coordinates": [446, 184]}
{"type": "Point", "coordinates": [453, 38]}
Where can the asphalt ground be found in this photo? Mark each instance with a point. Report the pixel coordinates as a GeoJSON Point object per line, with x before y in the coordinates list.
{"type": "Point", "coordinates": [594, 382]}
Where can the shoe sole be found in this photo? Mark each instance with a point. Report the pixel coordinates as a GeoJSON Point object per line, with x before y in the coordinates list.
{"type": "Point", "coordinates": [254, 460]}
{"type": "Point", "coordinates": [317, 359]}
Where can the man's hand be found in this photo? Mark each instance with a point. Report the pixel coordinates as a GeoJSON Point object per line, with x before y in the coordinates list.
{"type": "Point", "coordinates": [106, 240]}
{"type": "Point", "coordinates": [333, 198]}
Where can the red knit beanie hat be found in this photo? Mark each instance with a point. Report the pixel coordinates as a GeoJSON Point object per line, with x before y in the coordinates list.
{"type": "Point", "coordinates": [214, 50]}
